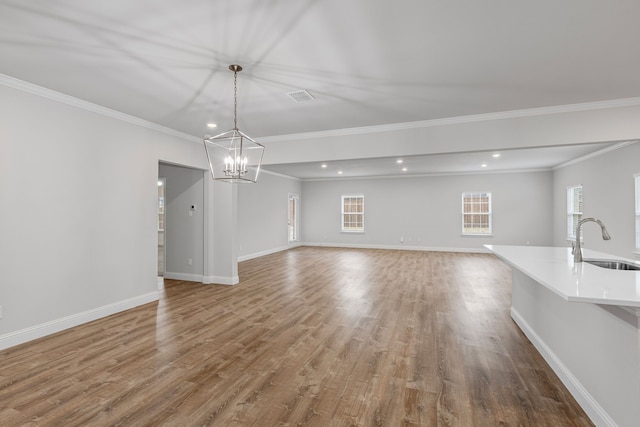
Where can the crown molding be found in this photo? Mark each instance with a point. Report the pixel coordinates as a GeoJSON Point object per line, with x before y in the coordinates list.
{"type": "Point", "coordinates": [569, 108]}
{"type": "Point", "coordinates": [280, 175]}
{"type": "Point", "coordinates": [595, 154]}
{"type": "Point", "coordinates": [427, 175]}
{"type": "Point", "coordinates": [34, 89]}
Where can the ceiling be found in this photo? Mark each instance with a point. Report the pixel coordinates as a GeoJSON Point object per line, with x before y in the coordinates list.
{"type": "Point", "coordinates": [365, 62]}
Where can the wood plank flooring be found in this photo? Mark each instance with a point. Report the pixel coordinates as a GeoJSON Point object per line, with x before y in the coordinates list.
{"type": "Point", "coordinates": [310, 337]}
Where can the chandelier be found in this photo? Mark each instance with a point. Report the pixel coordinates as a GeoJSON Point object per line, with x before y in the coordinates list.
{"type": "Point", "coordinates": [233, 156]}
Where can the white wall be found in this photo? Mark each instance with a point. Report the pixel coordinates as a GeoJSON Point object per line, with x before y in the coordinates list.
{"type": "Point", "coordinates": [608, 191]}
{"type": "Point", "coordinates": [426, 211]}
{"type": "Point", "coordinates": [263, 214]}
{"type": "Point", "coordinates": [78, 213]}
{"type": "Point", "coordinates": [184, 227]}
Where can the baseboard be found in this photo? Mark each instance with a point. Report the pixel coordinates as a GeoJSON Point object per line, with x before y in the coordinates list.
{"type": "Point", "coordinates": [184, 276]}
{"type": "Point", "coordinates": [38, 331]}
{"type": "Point", "coordinates": [220, 280]}
{"type": "Point", "coordinates": [595, 412]}
{"type": "Point", "coordinates": [207, 280]}
{"type": "Point", "coordinates": [267, 252]}
{"type": "Point", "coordinates": [398, 247]}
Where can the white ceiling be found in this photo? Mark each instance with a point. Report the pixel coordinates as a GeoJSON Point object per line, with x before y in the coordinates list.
{"type": "Point", "coordinates": [366, 62]}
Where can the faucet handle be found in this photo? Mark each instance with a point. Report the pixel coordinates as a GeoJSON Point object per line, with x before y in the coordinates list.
{"type": "Point", "coordinates": [573, 248]}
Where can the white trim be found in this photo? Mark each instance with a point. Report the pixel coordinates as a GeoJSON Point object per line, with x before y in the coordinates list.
{"type": "Point", "coordinates": [342, 212]}
{"type": "Point", "coordinates": [31, 88]}
{"type": "Point", "coordinates": [200, 278]}
{"type": "Point", "coordinates": [281, 175]}
{"type": "Point", "coordinates": [296, 218]}
{"type": "Point", "coordinates": [44, 329]}
{"type": "Point", "coordinates": [467, 194]}
{"type": "Point", "coordinates": [422, 175]}
{"type": "Point", "coordinates": [594, 154]}
{"type": "Point", "coordinates": [596, 413]}
{"type": "Point", "coordinates": [220, 280]}
{"type": "Point", "coordinates": [267, 252]}
{"type": "Point", "coordinates": [569, 108]}
{"type": "Point", "coordinates": [397, 247]}
{"type": "Point", "coordinates": [636, 212]}
{"type": "Point", "coordinates": [571, 235]}
{"type": "Point", "coordinates": [184, 276]}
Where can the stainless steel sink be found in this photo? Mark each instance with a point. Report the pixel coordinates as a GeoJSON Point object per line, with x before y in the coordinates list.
{"type": "Point", "coordinates": [613, 265]}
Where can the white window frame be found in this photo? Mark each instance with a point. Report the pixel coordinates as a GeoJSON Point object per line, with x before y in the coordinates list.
{"type": "Point", "coordinates": [293, 226]}
{"type": "Point", "coordinates": [347, 229]}
{"type": "Point", "coordinates": [488, 214]}
{"type": "Point", "coordinates": [572, 221]}
{"type": "Point", "coordinates": [636, 179]}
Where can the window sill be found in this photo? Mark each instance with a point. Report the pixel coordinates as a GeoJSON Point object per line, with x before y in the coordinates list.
{"type": "Point", "coordinates": [352, 232]}
{"type": "Point", "coordinates": [476, 235]}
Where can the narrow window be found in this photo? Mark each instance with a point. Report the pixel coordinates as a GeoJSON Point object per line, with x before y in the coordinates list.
{"type": "Point", "coordinates": [353, 213]}
{"type": "Point", "coordinates": [293, 218]}
{"type": "Point", "coordinates": [574, 210]}
{"type": "Point", "coordinates": [636, 177]}
{"type": "Point", "coordinates": [476, 213]}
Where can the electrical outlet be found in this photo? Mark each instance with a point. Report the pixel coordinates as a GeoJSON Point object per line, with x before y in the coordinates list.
{"type": "Point", "coordinates": [190, 261]}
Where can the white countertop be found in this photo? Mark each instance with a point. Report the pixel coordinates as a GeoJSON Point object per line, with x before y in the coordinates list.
{"type": "Point", "coordinates": [553, 267]}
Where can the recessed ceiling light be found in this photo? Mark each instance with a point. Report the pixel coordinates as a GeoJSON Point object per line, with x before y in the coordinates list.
{"type": "Point", "coordinates": [496, 155]}
{"type": "Point", "coordinates": [212, 125]}
{"type": "Point", "coordinates": [324, 165]}
{"type": "Point", "coordinates": [339, 172]}
{"type": "Point", "coordinates": [399, 161]}
{"type": "Point", "coordinates": [484, 165]}
{"type": "Point", "coordinates": [404, 169]}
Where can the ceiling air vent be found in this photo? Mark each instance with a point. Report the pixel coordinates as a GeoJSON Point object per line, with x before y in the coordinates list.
{"type": "Point", "coordinates": [301, 95]}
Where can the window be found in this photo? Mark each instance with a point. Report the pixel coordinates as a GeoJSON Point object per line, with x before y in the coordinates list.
{"type": "Point", "coordinates": [574, 210]}
{"type": "Point", "coordinates": [476, 213]}
{"type": "Point", "coordinates": [353, 213]}
{"type": "Point", "coordinates": [293, 218]}
{"type": "Point", "coordinates": [636, 177]}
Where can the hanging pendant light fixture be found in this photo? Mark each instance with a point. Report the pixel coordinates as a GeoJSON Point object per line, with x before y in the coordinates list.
{"type": "Point", "coordinates": [233, 156]}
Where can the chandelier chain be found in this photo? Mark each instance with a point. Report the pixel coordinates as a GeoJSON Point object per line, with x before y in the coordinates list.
{"type": "Point", "coordinates": [235, 99]}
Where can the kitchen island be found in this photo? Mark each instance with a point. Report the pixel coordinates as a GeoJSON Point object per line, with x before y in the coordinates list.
{"type": "Point", "coordinates": [585, 321]}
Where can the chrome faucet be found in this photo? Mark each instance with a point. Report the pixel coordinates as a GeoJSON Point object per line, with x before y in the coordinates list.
{"type": "Point", "coordinates": [577, 250]}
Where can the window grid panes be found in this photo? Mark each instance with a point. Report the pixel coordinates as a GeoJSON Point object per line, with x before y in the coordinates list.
{"type": "Point", "coordinates": [293, 218]}
{"type": "Point", "coordinates": [574, 210]}
{"type": "Point", "coordinates": [476, 213]}
{"type": "Point", "coordinates": [353, 213]}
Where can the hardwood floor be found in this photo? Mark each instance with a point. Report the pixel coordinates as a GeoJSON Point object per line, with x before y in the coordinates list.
{"type": "Point", "coordinates": [311, 336]}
